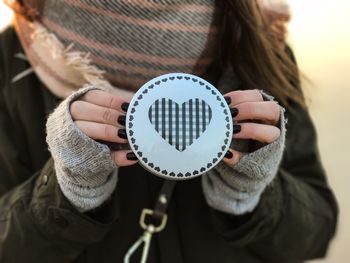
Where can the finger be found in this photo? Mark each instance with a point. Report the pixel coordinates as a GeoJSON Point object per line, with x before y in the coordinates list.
{"type": "Point", "coordinates": [232, 157]}
{"type": "Point", "coordinates": [112, 145]}
{"type": "Point", "coordinates": [255, 131]}
{"type": "Point", "coordinates": [124, 158]}
{"type": "Point", "coordinates": [105, 99]}
{"type": "Point", "coordinates": [266, 111]}
{"type": "Point", "coordinates": [240, 96]}
{"type": "Point", "coordinates": [85, 111]}
{"type": "Point", "coordinates": [105, 132]}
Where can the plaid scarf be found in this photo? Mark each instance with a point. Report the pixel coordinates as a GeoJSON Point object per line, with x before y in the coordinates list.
{"type": "Point", "coordinates": [278, 6]}
{"type": "Point", "coordinates": [117, 44]}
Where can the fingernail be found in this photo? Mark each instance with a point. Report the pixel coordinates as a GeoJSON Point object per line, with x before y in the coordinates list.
{"type": "Point", "coordinates": [234, 112]}
{"type": "Point", "coordinates": [228, 100]}
{"type": "Point", "coordinates": [121, 120]}
{"type": "Point", "coordinates": [122, 134]}
{"type": "Point", "coordinates": [131, 156]}
{"type": "Point", "coordinates": [125, 106]}
{"type": "Point", "coordinates": [236, 128]}
{"type": "Point", "coordinates": [229, 155]}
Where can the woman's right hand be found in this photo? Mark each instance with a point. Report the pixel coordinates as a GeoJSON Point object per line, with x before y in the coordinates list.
{"type": "Point", "coordinates": [101, 116]}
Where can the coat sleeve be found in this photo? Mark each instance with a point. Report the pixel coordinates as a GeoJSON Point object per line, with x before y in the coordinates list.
{"type": "Point", "coordinates": [37, 223]}
{"type": "Point", "coordinates": [297, 214]}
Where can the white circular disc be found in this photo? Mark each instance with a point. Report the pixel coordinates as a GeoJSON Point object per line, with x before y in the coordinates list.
{"type": "Point", "coordinates": [179, 126]}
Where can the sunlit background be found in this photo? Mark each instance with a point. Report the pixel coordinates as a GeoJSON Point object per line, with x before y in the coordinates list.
{"type": "Point", "coordinates": [320, 37]}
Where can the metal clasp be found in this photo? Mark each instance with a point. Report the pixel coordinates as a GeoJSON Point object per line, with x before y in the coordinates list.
{"type": "Point", "coordinates": [149, 212]}
{"type": "Point", "coordinates": [146, 237]}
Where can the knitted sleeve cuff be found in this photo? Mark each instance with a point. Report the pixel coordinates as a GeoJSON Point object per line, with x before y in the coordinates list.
{"type": "Point", "coordinates": [85, 171]}
{"type": "Point", "coordinates": [237, 189]}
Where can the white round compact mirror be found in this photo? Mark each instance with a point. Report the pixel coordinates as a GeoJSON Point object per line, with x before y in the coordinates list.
{"type": "Point", "coordinates": [179, 126]}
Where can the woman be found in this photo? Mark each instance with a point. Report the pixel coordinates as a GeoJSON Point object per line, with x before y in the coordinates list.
{"type": "Point", "coordinates": [268, 201]}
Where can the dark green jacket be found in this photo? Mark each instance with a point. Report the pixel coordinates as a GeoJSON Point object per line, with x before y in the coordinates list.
{"type": "Point", "coordinates": [295, 219]}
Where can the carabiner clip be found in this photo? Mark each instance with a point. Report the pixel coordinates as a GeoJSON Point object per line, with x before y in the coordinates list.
{"type": "Point", "coordinates": [146, 237]}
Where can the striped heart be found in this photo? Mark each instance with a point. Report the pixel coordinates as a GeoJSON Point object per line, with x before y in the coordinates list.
{"type": "Point", "coordinates": [179, 125]}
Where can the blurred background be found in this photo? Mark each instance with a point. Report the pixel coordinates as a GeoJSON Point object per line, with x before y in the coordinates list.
{"type": "Point", "coordinates": [319, 33]}
{"type": "Point", "coordinates": [320, 37]}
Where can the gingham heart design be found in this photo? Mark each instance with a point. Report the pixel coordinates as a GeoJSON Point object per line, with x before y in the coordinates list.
{"type": "Point", "coordinates": [179, 125]}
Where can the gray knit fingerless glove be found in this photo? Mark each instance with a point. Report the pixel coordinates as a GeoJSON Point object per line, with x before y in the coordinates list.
{"type": "Point", "coordinates": [237, 189]}
{"type": "Point", "coordinates": [85, 171]}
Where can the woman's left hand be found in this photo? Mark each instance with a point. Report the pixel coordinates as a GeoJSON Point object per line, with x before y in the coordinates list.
{"type": "Point", "coordinates": [254, 118]}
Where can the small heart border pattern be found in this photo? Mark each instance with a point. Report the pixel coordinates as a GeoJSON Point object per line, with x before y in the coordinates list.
{"type": "Point", "coordinates": [152, 164]}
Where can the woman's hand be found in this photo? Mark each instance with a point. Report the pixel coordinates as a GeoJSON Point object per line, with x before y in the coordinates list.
{"type": "Point", "coordinates": [254, 118]}
{"type": "Point", "coordinates": [101, 116]}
